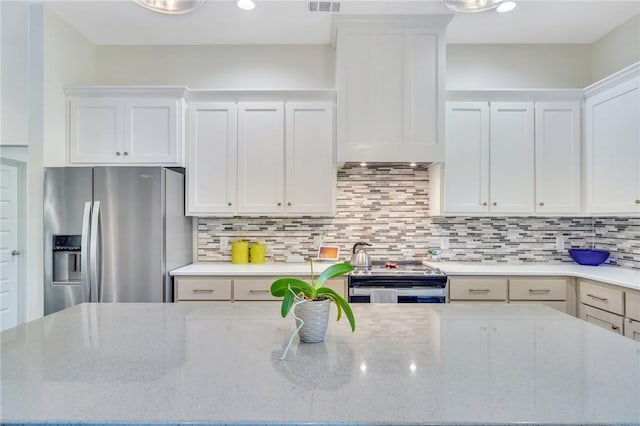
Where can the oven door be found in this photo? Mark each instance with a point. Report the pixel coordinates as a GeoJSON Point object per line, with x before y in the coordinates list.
{"type": "Point", "coordinates": [413, 294]}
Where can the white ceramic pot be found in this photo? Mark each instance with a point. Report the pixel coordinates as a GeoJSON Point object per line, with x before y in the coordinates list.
{"type": "Point", "coordinates": [315, 315]}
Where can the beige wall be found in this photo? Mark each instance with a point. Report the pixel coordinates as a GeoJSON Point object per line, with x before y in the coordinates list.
{"type": "Point", "coordinates": [14, 89]}
{"type": "Point", "coordinates": [616, 49]}
{"type": "Point", "coordinates": [216, 67]}
{"type": "Point", "coordinates": [521, 66]}
{"type": "Point", "coordinates": [69, 59]}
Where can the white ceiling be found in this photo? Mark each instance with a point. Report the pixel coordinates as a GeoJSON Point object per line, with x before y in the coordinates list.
{"type": "Point", "coordinates": [122, 22]}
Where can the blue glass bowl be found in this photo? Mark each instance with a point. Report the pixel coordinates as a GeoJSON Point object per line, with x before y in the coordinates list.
{"type": "Point", "coordinates": [588, 256]}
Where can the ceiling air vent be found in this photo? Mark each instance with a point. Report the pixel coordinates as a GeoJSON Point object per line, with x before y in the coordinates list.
{"type": "Point", "coordinates": [324, 6]}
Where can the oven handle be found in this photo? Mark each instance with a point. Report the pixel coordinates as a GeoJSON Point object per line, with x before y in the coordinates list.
{"type": "Point", "coordinates": [419, 292]}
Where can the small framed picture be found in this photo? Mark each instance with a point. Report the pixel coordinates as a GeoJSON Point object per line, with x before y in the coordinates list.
{"type": "Point", "coordinates": [329, 253]}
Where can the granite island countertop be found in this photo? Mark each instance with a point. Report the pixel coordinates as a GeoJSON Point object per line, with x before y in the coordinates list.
{"type": "Point", "coordinates": [405, 364]}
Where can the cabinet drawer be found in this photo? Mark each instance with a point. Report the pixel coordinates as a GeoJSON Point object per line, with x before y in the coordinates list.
{"type": "Point", "coordinates": [632, 306]}
{"type": "Point", "coordinates": [253, 289]}
{"type": "Point", "coordinates": [554, 304]}
{"type": "Point", "coordinates": [601, 318]}
{"type": "Point", "coordinates": [537, 289]}
{"type": "Point", "coordinates": [478, 288]}
{"type": "Point", "coordinates": [601, 297]}
{"type": "Point", "coordinates": [203, 288]}
{"type": "Point", "coordinates": [632, 329]}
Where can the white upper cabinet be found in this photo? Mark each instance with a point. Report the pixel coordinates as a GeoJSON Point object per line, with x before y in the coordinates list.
{"type": "Point", "coordinates": [211, 158]}
{"type": "Point", "coordinates": [612, 146]}
{"type": "Point", "coordinates": [558, 154]}
{"type": "Point", "coordinates": [261, 157]}
{"type": "Point", "coordinates": [270, 158]}
{"type": "Point", "coordinates": [390, 81]}
{"type": "Point", "coordinates": [126, 125]}
{"type": "Point", "coordinates": [511, 157]}
{"type": "Point", "coordinates": [489, 157]}
{"type": "Point", "coordinates": [311, 171]}
{"type": "Point", "coordinates": [466, 171]}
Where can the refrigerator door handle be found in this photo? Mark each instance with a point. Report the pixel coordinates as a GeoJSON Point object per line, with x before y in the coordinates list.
{"type": "Point", "coordinates": [84, 253]}
{"type": "Point", "coordinates": [94, 252]}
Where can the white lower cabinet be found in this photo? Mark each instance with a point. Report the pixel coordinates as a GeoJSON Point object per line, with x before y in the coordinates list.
{"type": "Point", "coordinates": [235, 289]}
{"type": "Point", "coordinates": [549, 291]}
{"type": "Point", "coordinates": [601, 318]}
{"type": "Point", "coordinates": [477, 289]}
{"type": "Point", "coordinates": [632, 329]}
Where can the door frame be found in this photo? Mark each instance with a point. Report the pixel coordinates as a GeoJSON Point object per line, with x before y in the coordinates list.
{"type": "Point", "coordinates": [21, 167]}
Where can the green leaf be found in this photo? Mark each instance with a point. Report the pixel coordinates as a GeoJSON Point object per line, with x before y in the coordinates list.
{"type": "Point", "coordinates": [280, 287]}
{"type": "Point", "coordinates": [341, 304]}
{"type": "Point", "coordinates": [333, 271]}
{"type": "Point", "coordinates": [287, 302]}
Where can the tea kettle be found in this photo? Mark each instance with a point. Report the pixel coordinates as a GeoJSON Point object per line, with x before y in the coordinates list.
{"type": "Point", "coordinates": [360, 259]}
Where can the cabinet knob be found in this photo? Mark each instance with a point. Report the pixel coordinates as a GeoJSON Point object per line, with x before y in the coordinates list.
{"type": "Point", "coordinates": [614, 327]}
{"type": "Point", "coordinates": [117, 152]}
{"type": "Point", "coordinates": [229, 204]}
{"type": "Point", "coordinates": [485, 204]}
{"type": "Point", "coordinates": [541, 204]}
{"type": "Point", "coordinates": [279, 204]}
{"type": "Point", "coordinates": [638, 201]}
{"type": "Point", "coordinates": [126, 153]}
{"type": "Point", "coordinates": [494, 203]}
{"type": "Point", "coordinates": [289, 204]}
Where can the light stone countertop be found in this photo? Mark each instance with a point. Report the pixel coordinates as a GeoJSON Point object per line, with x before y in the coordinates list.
{"type": "Point", "coordinates": [266, 269]}
{"type": "Point", "coordinates": [405, 364]}
{"type": "Point", "coordinates": [624, 277]}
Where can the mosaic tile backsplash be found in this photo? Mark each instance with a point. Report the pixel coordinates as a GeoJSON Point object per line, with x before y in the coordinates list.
{"type": "Point", "coordinates": [387, 206]}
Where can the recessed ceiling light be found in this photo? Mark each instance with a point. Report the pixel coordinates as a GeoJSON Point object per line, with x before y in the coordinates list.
{"type": "Point", "coordinates": [170, 7]}
{"type": "Point", "coordinates": [363, 164]}
{"type": "Point", "coordinates": [471, 5]}
{"type": "Point", "coordinates": [412, 164]}
{"type": "Point", "coordinates": [506, 6]}
{"type": "Point", "coordinates": [246, 4]}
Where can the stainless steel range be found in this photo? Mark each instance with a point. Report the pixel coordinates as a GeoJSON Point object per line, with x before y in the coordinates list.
{"type": "Point", "coordinates": [409, 283]}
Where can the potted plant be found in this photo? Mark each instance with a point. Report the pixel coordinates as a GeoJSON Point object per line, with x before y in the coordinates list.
{"type": "Point", "coordinates": [312, 300]}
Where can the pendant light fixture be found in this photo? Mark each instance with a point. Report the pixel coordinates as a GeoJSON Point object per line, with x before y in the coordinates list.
{"type": "Point", "coordinates": [471, 5]}
{"type": "Point", "coordinates": [171, 7]}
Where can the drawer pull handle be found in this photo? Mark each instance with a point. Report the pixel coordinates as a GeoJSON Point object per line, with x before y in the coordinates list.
{"type": "Point", "coordinates": [203, 290]}
{"type": "Point", "coordinates": [615, 327]}
{"type": "Point", "coordinates": [602, 299]}
{"type": "Point", "coordinates": [259, 291]}
{"type": "Point", "coordinates": [479, 290]}
{"type": "Point", "coordinates": [539, 291]}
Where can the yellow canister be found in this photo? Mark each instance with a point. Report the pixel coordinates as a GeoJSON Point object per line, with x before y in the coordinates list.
{"type": "Point", "coordinates": [257, 253]}
{"type": "Point", "coordinates": [240, 252]}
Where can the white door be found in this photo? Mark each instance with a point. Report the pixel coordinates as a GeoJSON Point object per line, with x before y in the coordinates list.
{"type": "Point", "coordinates": [613, 150]}
{"type": "Point", "coordinates": [511, 187]}
{"type": "Point", "coordinates": [211, 162]}
{"type": "Point", "coordinates": [466, 169]}
{"type": "Point", "coordinates": [260, 157]}
{"type": "Point", "coordinates": [95, 130]}
{"type": "Point", "coordinates": [8, 246]}
{"type": "Point", "coordinates": [558, 171]}
{"type": "Point", "coordinates": [311, 172]}
{"type": "Point", "coordinates": [152, 130]}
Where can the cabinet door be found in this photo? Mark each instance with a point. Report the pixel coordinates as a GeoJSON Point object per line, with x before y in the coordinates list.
{"type": "Point", "coordinates": [152, 130]}
{"type": "Point", "coordinates": [211, 158]}
{"type": "Point", "coordinates": [512, 157]}
{"type": "Point", "coordinates": [311, 173]}
{"type": "Point", "coordinates": [601, 318]}
{"type": "Point", "coordinates": [632, 329]}
{"type": "Point", "coordinates": [260, 157]}
{"type": "Point", "coordinates": [95, 130]}
{"type": "Point", "coordinates": [557, 145]}
{"type": "Point", "coordinates": [390, 85]}
{"type": "Point", "coordinates": [613, 150]}
{"type": "Point", "coordinates": [466, 169]}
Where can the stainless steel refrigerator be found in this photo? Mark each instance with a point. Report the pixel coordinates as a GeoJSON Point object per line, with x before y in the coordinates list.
{"type": "Point", "coordinates": [112, 234]}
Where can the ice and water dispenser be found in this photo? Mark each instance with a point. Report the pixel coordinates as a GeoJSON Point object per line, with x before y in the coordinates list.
{"type": "Point", "coordinates": [66, 258]}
